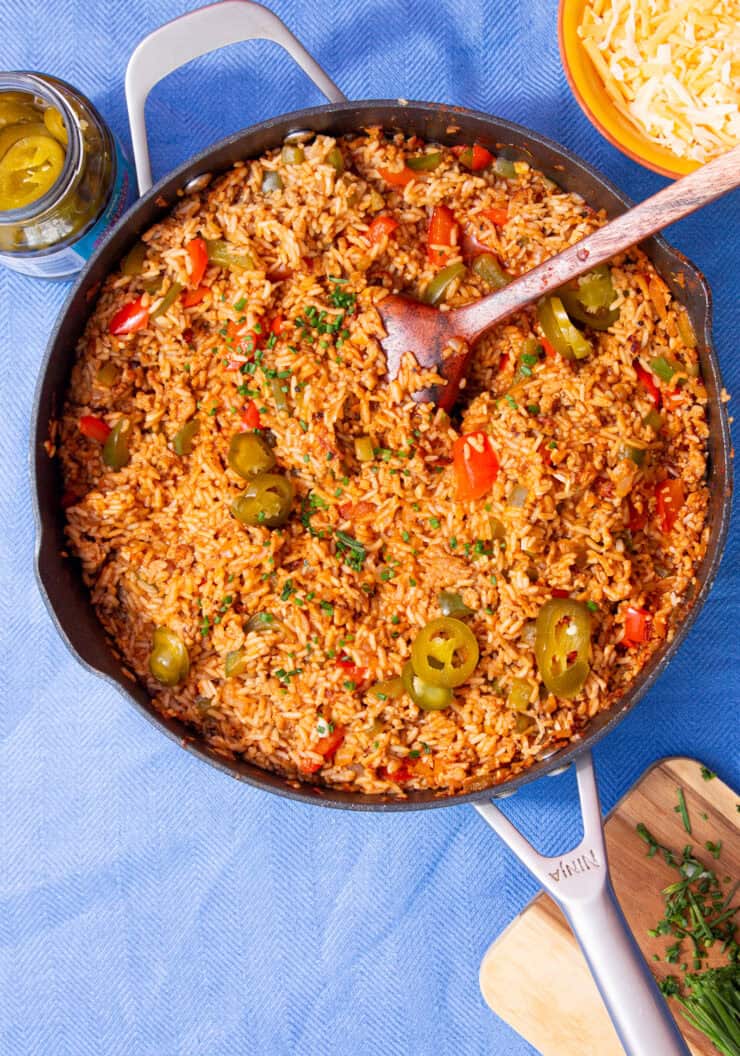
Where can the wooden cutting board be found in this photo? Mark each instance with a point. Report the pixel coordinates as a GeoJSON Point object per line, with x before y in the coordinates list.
{"type": "Point", "coordinates": [534, 975]}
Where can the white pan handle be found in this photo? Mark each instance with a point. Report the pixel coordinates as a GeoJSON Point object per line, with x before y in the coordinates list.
{"type": "Point", "coordinates": [194, 34]}
{"type": "Point", "coordinates": [579, 882]}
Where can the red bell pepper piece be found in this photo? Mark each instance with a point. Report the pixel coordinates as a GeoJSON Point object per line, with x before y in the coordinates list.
{"type": "Point", "coordinates": [241, 344]}
{"type": "Point", "coordinates": [133, 316]}
{"type": "Point", "coordinates": [251, 416]}
{"type": "Point", "coordinates": [496, 216]}
{"type": "Point", "coordinates": [403, 773]}
{"type": "Point", "coordinates": [669, 495]}
{"type": "Point", "coordinates": [398, 178]}
{"type": "Point", "coordinates": [276, 326]}
{"type": "Point", "coordinates": [442, 232]}
{"type": "Point", "coordinates": [475, 464]}
{"type": "Point", "coordinates": [353, 672]}
{"type": "Point", "coordinates": [310, 768]}
{"type": "Point", "coordinates": [475, 157]}
{"type": "Point", "coordinates": [94, 428]}
{"type": "Point", "coordinates": [549, 350]}
{"type": "Point", "coordinates": [190, 298]}
{"type": "Point", "coordinates": [646, 380]}
{"type": "Point", "coordinates": [558, 592]}
{"type": "Point", "coordinates": [326, 746]}
{"type": "Point", "coordinates": [198, 253]}
{"type": "Point", "coordinates": [636, 626]}
{"type": "Point", "coordinates": [381, 227]}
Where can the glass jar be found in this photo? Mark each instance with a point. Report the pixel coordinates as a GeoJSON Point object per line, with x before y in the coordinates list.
{"type": "Point", "coordinates": [53, 236]}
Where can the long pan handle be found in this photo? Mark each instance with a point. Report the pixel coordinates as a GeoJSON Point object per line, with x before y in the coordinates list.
{"type": "Point", "coordinates": [579, 882]}
{"type": "Point", "coordinates": [194, 34]}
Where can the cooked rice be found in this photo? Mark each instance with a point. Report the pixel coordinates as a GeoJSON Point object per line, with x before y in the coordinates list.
{"type": "Point", "coordinates": [159, 546]}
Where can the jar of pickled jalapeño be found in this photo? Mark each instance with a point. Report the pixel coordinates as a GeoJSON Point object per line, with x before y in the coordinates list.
{"type": "Point", "coordinates": [64, 181]}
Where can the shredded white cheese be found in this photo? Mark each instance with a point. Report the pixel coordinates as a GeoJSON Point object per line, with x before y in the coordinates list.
{"type": "Point", "coordinates": [673, 69]}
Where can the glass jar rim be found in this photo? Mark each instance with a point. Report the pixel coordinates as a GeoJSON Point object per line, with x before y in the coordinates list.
{"type": "Point", "coordinates": [39, 84]}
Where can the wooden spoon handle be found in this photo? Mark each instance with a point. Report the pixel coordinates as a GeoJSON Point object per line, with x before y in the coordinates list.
{"type": "Point", "coordinates": [672, 203]}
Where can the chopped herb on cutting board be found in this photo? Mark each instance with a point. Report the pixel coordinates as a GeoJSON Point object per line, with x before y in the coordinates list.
{"type": "Point", "coordinates": [699, 920]}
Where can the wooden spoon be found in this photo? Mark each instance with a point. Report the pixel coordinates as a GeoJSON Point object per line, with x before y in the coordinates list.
{"type": "Point", "coordinates": [428, 332]}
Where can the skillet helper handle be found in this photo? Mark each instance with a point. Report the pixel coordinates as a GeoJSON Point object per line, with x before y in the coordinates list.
{"type": "Point", "coordinates": [580, 884]}
{"type": "Point", "coordinates": [194, 34]}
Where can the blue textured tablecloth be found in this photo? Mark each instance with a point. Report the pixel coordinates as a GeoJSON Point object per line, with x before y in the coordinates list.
{"type": "Point", "coordinates": [150, 906]}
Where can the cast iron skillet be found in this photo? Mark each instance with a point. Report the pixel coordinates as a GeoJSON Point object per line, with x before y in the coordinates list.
{"type": "Point", "coordinates": [59, 575]}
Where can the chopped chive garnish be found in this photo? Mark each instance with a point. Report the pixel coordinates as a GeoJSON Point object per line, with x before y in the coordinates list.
{"type": "Point", "coordinates": [683, 811]}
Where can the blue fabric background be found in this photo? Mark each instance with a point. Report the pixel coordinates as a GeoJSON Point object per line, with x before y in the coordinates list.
{"type": "Point", "coordinates": [150, 906]}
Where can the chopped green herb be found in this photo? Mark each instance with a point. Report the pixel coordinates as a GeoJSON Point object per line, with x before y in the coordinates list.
{"type": "Point", "coordinates": [342, 299]}
{"type": "Point", "coordinates": [240, 304]}
{"type": "Point", "coordinates": [707, 774]}
{"type": "Point", "coordinates": [352, 550]}
{"type": "Point", "coordinates": [683, 811]}
{"type": "Point", "coordinates": [695, 906]}
{"type": "Point", "coordinates": [669, 986]}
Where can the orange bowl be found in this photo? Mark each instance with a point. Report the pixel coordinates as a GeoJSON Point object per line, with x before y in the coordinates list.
{"type": "Point", "coordinates": [594, 100]}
